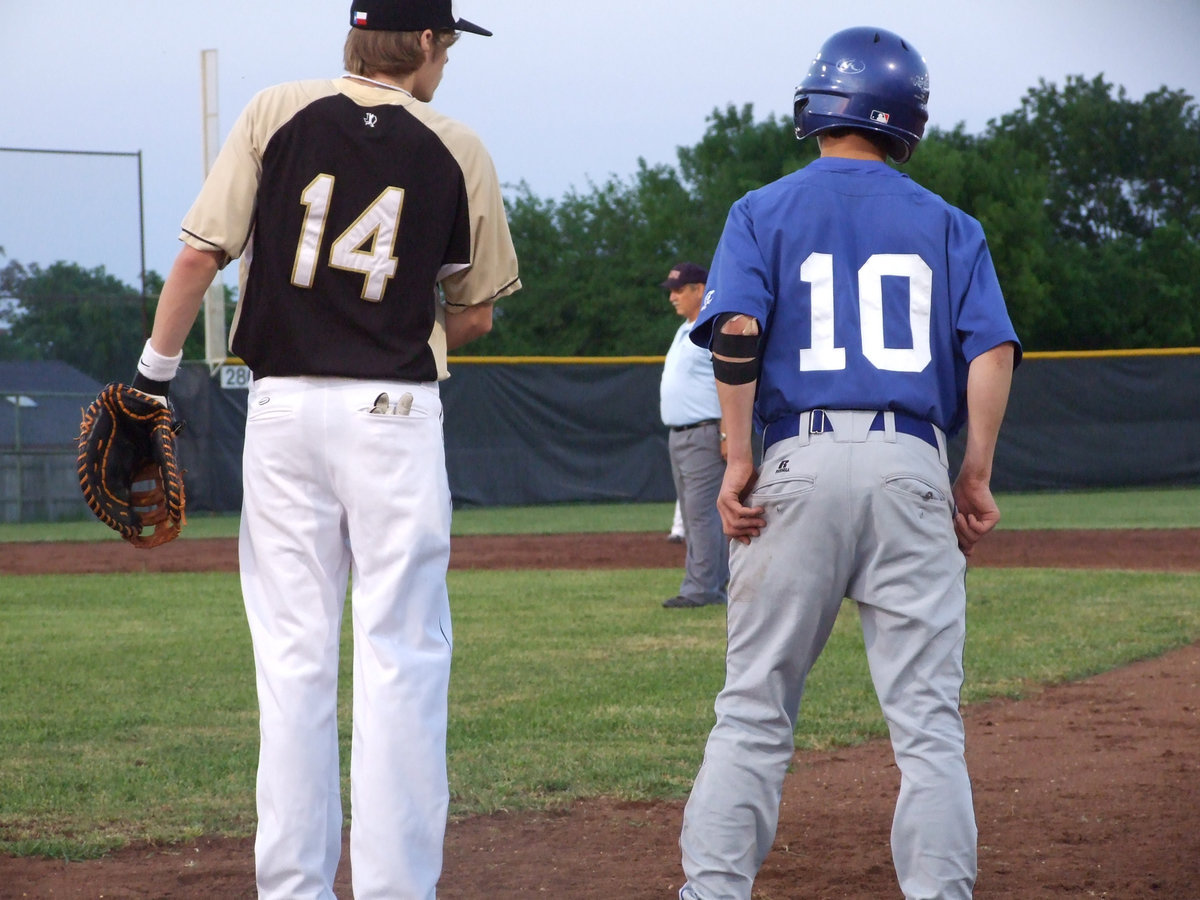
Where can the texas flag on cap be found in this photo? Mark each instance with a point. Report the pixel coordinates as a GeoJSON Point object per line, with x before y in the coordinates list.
{"type": "Point", "coordinates": [409, 15]}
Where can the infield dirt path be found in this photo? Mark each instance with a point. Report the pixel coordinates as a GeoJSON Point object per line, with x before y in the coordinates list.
{"type": "Point", "coordinates": [1166, 550]}
{"type": "Point", "coordinates": [1090, 789]}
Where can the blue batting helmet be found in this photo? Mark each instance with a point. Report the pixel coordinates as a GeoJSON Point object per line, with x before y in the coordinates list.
{"type": "Point", "coordinates": [866, 78]}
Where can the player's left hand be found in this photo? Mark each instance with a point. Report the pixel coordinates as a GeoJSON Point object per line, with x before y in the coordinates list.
{"type": "Point", "coordinates": [976, 513]}
{"type": "Point", "coordinates": [739, 521]}
{"type": "Point", "coordinates": [128, 465]}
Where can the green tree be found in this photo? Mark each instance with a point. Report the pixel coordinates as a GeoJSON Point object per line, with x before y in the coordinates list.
{"type": "Point", "coordinates": [590, 266]}
{"type": "Point", "coordinates": [737, 155]}
{"type": "Point", "coordinates": [1090, 201]}
{"type": "Point", "coordinates": [84, 317]}
{"type": "Point", "coordinates": [1117, 167]}
{"type": "Point", "coordinates": [1120, 216]}
{"type": "Point", "coordinates": [592, 261]}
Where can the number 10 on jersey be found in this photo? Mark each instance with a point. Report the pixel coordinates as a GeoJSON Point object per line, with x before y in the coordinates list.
{"type": "Point", "coordinates": [825, 356]}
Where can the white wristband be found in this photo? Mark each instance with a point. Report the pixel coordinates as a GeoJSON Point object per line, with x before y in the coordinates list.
{"type": "Point", "coordinates": [157, 367]}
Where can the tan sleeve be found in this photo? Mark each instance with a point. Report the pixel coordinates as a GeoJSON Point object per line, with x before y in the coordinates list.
{"type": "Point", "coordinates": [223, 213]}
{"type": "Point", "coordinates": [492, 273]}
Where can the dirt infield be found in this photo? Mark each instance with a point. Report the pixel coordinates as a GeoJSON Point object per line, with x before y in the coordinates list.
{"type": "Point", "coordinates": [1089, 789]}
{"type": "Point", "coordinates": [1164, 550]}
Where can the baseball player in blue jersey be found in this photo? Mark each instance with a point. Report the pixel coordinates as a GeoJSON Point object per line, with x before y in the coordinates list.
{"type": "Point", "coordinates": [856, 319]}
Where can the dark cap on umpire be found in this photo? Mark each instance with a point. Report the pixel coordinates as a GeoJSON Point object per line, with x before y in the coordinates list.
{"type": "Point", "coordinates": [685, 273]}
{"type": "Point", "coordinates": [409, 15]}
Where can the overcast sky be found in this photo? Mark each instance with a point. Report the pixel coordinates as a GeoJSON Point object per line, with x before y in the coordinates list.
{"type": "Point", "coordinates": [567, 92]}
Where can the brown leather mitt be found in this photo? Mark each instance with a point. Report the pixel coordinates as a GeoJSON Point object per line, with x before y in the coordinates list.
{"type": "Point", "coordinates": [128, 466]}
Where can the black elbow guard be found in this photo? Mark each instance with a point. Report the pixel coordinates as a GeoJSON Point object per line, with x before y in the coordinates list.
{"type": "Point", "coordinates": [742, 347]}
{"type": "Point", "coordinates": [735, 372]}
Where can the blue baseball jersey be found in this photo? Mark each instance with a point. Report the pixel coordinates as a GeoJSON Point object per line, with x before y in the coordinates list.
{"type": "Point", "coordinates": [871, 291]}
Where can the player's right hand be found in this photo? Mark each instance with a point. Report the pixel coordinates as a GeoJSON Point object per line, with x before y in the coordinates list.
{"type": "Point", "coordinates": [740, 522]}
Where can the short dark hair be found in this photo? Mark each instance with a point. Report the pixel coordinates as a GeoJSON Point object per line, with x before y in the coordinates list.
{"type": "Point", "coordinates": [881, 141]}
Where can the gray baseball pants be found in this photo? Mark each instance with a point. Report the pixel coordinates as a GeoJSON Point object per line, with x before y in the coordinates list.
{"type": "Point", "coordinates": [697, 467]}
{"type": "Point", "coordinates": [868, 516]}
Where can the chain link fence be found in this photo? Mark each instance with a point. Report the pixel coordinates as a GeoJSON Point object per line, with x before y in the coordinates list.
{"type": "Point", "coordinates": [38, 470]}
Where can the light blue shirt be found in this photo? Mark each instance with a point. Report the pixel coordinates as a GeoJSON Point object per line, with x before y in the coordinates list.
{"type": "Point", "coordinates": [688, 393]}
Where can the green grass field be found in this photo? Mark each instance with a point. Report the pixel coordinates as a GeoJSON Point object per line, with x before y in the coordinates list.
{"type": "Point", "coordinates": [127, 708]}
{"type": "Point", "coordinates": [1152, 508]}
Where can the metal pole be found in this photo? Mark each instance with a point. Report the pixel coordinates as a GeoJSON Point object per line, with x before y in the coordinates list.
{"type": "Point", "coordinates": [215, 350]}
{"type": "Point", "coordinates": [16, 402]}
{"type": "Point", "coordinates": [142, 226]}
{"type": "Point", "coordinates": [142, 244]}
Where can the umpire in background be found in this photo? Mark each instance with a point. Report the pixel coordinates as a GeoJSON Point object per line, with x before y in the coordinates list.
{"type": "Point", "coordinates": [689, 405]}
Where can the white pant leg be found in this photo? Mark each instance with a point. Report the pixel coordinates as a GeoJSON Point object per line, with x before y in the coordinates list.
{"type": "Point", "coordinates": [392, 475]}
{"type": "Point", "coordinates": [294, 566]}
{"type": "Point", "coordinates": [912, 602]}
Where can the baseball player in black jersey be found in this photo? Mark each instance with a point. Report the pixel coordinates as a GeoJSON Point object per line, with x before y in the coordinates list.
{"type": "Point", "coordinates": [373, 239]}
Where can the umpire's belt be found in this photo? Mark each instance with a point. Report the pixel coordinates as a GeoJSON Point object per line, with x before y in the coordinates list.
{"type": "Point", "coordinates": [819, 421]}
{"type": "Point", "coordinates": [696, 425]}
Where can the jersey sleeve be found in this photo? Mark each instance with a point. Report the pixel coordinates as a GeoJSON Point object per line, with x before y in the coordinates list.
{"type": "Point", "coordinates": [491, 270]}
{"type": "Point", "coordinates": [739, 280]}
{"type": "Point", "coordinates": [982, 319]}
{"type": "Point", "coordinates": [222, 216]}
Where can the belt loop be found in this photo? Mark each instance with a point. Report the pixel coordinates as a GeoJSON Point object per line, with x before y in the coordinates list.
{"type": "Point", "coordinates": [940, 437]}
{"type": "Point", "coordinates": [804, 429]}
{"type": "Point", "coordinates": [889, 426]}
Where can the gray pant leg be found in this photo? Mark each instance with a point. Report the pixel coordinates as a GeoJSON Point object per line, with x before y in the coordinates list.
{"type": "Point", "coordinates": [871, 521]}
{"type": "Point", "coordinates": [697, 467]}
{"type": "Point", "coordinates": [786, 589]}
{"type": "Point", "coordinates": [912, 602]}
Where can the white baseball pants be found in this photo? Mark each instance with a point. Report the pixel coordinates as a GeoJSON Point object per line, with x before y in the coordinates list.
{"type": "Point", "coordinates": [334, 492]}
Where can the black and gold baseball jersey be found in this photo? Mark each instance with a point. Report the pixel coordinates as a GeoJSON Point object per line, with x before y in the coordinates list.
{"type": "Point", "coordinates": [346, 203]}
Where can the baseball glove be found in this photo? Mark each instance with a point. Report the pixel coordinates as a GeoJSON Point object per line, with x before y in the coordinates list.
{"type": "Point", "coordinates": [128, 466]}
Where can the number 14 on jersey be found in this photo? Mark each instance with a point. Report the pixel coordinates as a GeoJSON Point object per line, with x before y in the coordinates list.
{"type": "Point", "coordinates": [378, 224]}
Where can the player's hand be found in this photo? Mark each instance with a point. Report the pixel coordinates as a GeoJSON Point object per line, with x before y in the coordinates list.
{"type": "Point", "coordinates": [740, 522]}
{"type": "Point", "coordinates": [977, 512]}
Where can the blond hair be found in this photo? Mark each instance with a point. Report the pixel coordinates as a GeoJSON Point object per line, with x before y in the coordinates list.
{"type": "Point", "coordinates": [395, 53]}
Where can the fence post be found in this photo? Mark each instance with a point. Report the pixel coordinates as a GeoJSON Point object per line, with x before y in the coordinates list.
{"type": "Point", "coordinates": [16, 402]}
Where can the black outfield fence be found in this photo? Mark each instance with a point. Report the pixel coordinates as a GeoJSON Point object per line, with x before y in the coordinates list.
{"type": "Point", "coordinates": [550, 431]}
{"type": "Point", "coordinates": [530, 431]}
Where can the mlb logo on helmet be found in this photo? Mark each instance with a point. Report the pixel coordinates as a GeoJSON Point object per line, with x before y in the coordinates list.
{"type": "Point", "coordinates": [853, 71]}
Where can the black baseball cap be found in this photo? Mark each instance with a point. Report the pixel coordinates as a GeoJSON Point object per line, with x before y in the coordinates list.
{"type": "Point", "coordinates": [685, 273]}
{"type": "Point", "coordinates": [409, 15]}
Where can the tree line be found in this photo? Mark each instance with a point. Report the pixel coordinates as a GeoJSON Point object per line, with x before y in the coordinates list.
{"type": "Point", "coordinates": [1090, 201]}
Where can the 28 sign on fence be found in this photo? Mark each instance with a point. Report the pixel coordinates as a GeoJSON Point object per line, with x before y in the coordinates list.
{"type": "Point", "coordinates": [235, 378]}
